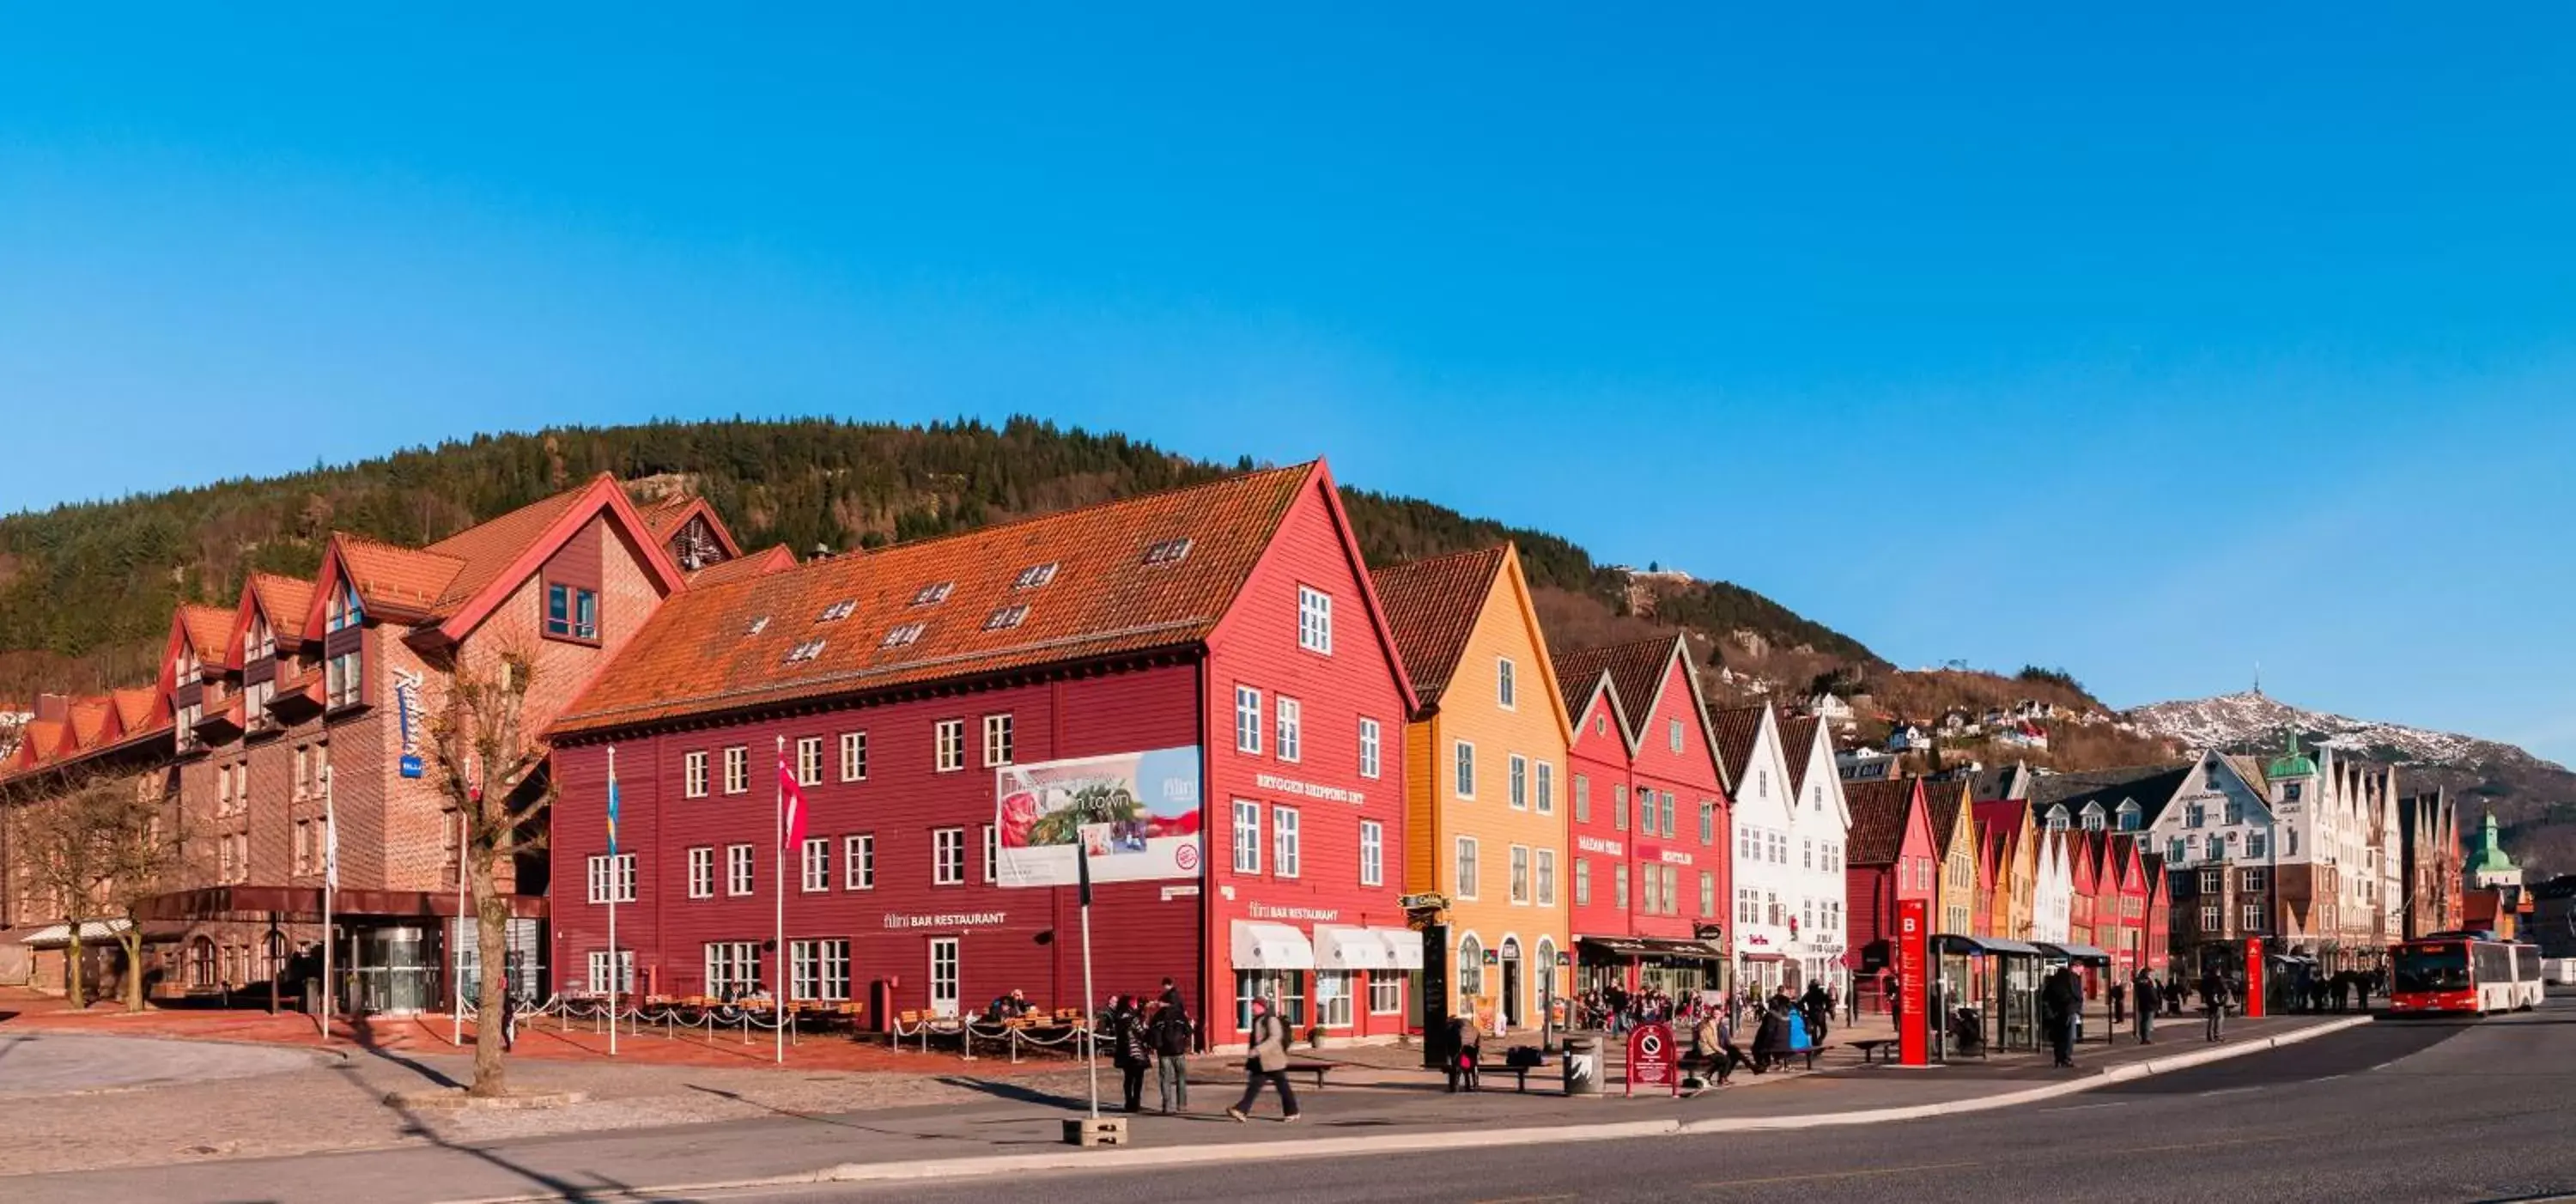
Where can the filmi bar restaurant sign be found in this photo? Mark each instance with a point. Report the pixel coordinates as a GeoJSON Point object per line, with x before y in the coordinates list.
{"type": "Point", "coordinates": [1135, 815]}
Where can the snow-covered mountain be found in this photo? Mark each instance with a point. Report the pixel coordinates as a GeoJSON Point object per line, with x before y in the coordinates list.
{"type": "Point", "coordinates": [2250, 719]}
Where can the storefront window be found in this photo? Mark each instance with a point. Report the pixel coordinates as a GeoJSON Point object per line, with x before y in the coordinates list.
{"type": "Point", "coordinates": [1285, 989]}
{"type": "Point", "coordinates": [1333, 998]}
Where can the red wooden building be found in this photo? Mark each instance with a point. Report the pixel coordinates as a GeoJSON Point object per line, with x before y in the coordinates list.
{"type": "Point", "coordinates": [1889, 858]}
{"type": "Point", "coordinates": [909, 689]}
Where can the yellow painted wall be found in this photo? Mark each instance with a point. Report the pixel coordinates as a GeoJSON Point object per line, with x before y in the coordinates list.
{"type": "Point", "coordinates": [1957, 895]}
{"type": "Point", "coordinates": [1536, 729]}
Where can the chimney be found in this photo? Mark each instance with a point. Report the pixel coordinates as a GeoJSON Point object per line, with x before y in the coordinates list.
{"type": "Point", "coordinates": [53, 708]}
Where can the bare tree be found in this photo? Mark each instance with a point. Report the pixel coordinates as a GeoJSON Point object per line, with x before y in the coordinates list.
{"type": "Point", "coordinates": [97, 850]}
{"type": "Point", "coordinates": [493, 773]}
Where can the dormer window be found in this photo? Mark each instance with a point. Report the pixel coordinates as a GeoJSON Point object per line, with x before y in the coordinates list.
{"type": "Point", "coordinates": [1035, 576]}
{"type": "Point", "coordinates": [260, 642]}
{"type": "Point", "coordinates": [187, 664]}
{"type": "Point", "coordinates": [572, 612]}
{"type": "Point", "coordinates": [1006, 617]}
{"type": "Point", "coordinates": [756, 626]}
{"type": "Point", "coordinates": [2057, 819]}
{"type": "Point", "coordinates": [805, 652]}
{"type": "Point", "coordinates": [2094, 819]}
{"type": "Point", "coordinates": [933, 595]}
{"type": "Point", "coordinates": [1168, 551]}
{"type": "Point", "coordinates": [837, 611]}
{"type": "Point", "coordinates": [2130, 815]}
{"type": "Point", "coordinates": [343, 613]}
{"type": "Point", "coordinates": [899, 636]}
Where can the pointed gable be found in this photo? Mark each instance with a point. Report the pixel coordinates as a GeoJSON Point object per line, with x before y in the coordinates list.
{"type": "Point", "coordinates": [1881, 812]}
{"type": "Point", "coordinates": [1798, 735]}
{"type": "Point", "coordinates": [208, 631]}
{"type": "Point", "coordinates": [1432, 607]}
{"type": "Point", "coordinates": [1947, 803]}
{"type": "Point", "coordinates": [1737, 732]}
{"type": "Point", "coordinates": [773, 559]}
{"type": "Point", "coordinates": [285, 601]}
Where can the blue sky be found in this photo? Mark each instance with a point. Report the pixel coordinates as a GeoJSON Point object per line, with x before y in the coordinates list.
{"type": "Point", "coordinates": [2148, 343]}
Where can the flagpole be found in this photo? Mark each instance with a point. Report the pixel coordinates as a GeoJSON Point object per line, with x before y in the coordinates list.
{"type": "Point", "coordinates": [778, 883]}
{"type": "Point", "coordinates": [456, 960]}
{"type": "Point", "coordinates": [330, 884]}
{"type": "Point", "coordinates": [616, 886]}
{"type": "Point", "coordinates": [1090, 1023]}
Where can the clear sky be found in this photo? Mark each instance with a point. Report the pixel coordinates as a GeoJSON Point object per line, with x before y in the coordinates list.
{"type": "Point", "coordinates": [2151, 342]}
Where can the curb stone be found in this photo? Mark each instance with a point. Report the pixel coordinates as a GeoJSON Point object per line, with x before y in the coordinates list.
{"type": "Point", "coordinates": [1277, 1151]}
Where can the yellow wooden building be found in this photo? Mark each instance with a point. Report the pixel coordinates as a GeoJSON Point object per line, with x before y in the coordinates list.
{"type": "Point", "coordinates": [1954, 841]}
{"type": "Point", "coordinates": [1485, 797]}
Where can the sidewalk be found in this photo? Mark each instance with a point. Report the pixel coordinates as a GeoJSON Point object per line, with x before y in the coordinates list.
{"type": "Point", "coordinates": [1018, 1130]}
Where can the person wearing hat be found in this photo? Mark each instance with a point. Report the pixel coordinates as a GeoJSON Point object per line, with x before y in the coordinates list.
{"type": "Point", "coordinates": [1265, 1061]}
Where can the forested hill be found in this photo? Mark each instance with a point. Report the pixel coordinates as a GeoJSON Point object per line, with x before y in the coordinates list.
{"type": "Point", "coordinates": [86, 590]}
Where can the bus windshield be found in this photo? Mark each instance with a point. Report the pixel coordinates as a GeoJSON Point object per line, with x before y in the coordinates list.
{"type": "Point", "coordinates": [2425, 968]}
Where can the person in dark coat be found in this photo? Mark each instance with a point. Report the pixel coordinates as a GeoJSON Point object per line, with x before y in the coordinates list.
{"type": "Point", "coordinates": [1462, 1061]}
{"type": "Point", "coordinates": [1819, 1009]}
{"type": "Point", "coordinates": [2213, 1005]}
{"type": "Point", "coordinates": [2119, 993]}
{"type": "Point", "coordinates": [1128, 1050]}
{"type": "Point", "coordinates": [1170, 1034]}
{"type": "Point", "coordinates": [1771, 1038]}
{"type": "Point", "coordinates": [2059, 1001]}
{"type": "Point", "coordinates": [2150, 997]}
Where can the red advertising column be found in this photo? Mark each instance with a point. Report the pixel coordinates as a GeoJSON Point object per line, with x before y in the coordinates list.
{"type": "Point", "coordinates": [2254, 978]}
{"type": "Point", "coordinates": [1913, 975]}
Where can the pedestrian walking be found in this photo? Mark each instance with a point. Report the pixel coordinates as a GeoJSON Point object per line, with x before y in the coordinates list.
{"type": "Point", "coordinates": [2213, 1005]}
{"type": "Point", "coordinates": [2059, 1000]}
{"type": "Point", "coordinates": [1128, 1051]}
{"type": "Point", "coordinates": [1819, 1009]}
{"type": "Point", "coordinates": [2149, 999]}
{"type": "Point", "coordinates": [2119, 994]}
{"type": "Point", "coordinates": [1266, 1061]}
{"type": "Point", "coordinates": [512, 1000]}
{"type": "Point", "coordinates": [1170, 1035]}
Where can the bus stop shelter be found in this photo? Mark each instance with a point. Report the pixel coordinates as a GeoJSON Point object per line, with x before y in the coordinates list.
{"type": "Point", "coordinates": [1987, 986]}
{"type": "Point", "coordinates": [2092, 962]}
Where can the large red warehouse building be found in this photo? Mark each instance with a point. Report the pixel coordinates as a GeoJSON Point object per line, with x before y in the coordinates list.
{"type": "Point", "coordinates": [1217, 648]}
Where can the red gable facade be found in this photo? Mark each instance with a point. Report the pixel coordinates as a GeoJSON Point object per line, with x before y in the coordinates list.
{"type": "Point", "coordinates": [1889, 859]}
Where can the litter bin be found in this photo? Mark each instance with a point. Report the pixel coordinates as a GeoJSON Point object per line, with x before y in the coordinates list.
{"type": "Point", "coordinates": [1583, 1063]}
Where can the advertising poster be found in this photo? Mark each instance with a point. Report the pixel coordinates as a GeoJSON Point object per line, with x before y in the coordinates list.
{"type": "Point", "coordinates": [1136, 813]}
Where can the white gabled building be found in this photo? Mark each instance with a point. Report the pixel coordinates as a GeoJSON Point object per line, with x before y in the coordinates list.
{"type": "Point", "coordinates": [1820, 818]}
{"type": "Point", "coordinates": [1791, 827]}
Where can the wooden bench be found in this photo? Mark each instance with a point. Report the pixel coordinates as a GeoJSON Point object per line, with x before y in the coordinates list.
{"type": "Point", "coordinates": [1317, 1069]}
{"type": "Point", "coordinates": [1870, 1046]}
{"type": "Point", "coordinates": [1520, 1073]}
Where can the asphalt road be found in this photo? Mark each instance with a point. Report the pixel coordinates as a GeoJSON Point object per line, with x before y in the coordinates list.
{"type": "Point", "coordinates": [2416, 1111]}
{"type": "Point", "coordinates": [35, 1064]}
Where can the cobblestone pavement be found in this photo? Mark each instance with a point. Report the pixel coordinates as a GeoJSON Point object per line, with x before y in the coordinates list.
{"type": "Point", "coordinates": [42, 1064]}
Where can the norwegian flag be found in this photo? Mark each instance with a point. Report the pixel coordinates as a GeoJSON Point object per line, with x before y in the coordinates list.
{"type": "Point", "coordinates": [791, 804]}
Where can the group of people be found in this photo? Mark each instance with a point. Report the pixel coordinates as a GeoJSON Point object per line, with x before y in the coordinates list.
{"type": "Point", "coordinates": [1155, 1036]}
{"type": "Point", "coordinates": [2153, 996]}
{"type": "Point", "coordinates": [2339, 991]}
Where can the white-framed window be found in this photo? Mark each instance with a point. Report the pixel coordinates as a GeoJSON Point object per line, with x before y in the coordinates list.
{"type": "Point", "coordinates": [733, 968]}
{"type": "Point", "coordinates": [702, 872]}
{"type": "Point", "coordinates": [1314, 620]}
{"type": "Point", "coordinates": [1807, 848]}
{"type": "Point", "coordinates": [1543, 871]}
{"type": "Point", "coordinates": [900, 635]}
{"type": "Point", "coordinates": [693, 775]}
{"type": "Point", "coordinates": [1292, 727]}
{"type": "Point", "coordinates": [1582, 798]}
{"type": "Point", "coordinates": [1546, 788]}
{"type": "Point", "coordinates": [947, 856]}
{"type": "Point", "coordinates": [612, 875]}
{"type": "Point", "coordinates": [1619, 806]}
{"type": "Point", "coordinates": [1673, 727]}
{"type": "Point", "coordinates": [1707, 822]}
{"type": "Point", "coordinates": [344, 680]}
{"type": "Point", "coordinates": [737, 765]}
{"type": "Point", "coordinates": [342, 613]}
{"type": "Point", "coordinates": [1247, 720]}
{"type": "Point", "coordinates": [738, 872]}
{"type": "Point", "coordinates": [1619, 884]}
{"type": "Point", "coordinates": [2209, 918]}
{"type": "Point", "coordinates": [1471, 967]}
{"type": "Point", "coordinates": [1519, 782]}
{"type": "Point", "coordinates": [859, 862]}
{"type": "Point", "coordinates": [1372, 853]}
{"type": "Point", "coordinates": [820, 969]}
{"type": "Point", "coordinates": [1520, 868]}
{"type": "Point", "coordinates": [949, 740]}
{"type": "Point", "coordinates": [1464, 755]}
{"type": "Point", "coordinates": [992, 852]}
{"type": "Point", "coordinates": [814, 859]}
{"type": "Point", "coordinates": [854, 756]}
{"type": "Point", "coordinates": [1707, 893]}
{"type": "Point", "coordinates": [946, 960]}
{"type": "Point", "coordinates": [2253, 917]}
{"type": "Point", "coordinates": [1333, 998]}
{"type": "Point", "coordinates": [1247, 837]}
{"type": "Point", "coordinates": [1035, 575]}
{"type": "Point", "coordinates": [1386, 992]}
{"type": "Point", "coordinates": [1466, 867]}
{"type": "Point", "coordinates": [1645, 811]}
{"type": "Point", "coordinates": [1368, 748]}
{"type": "Point", "coordinates": [1283, 833]}
{"type": "Point", "coordinates": [1506, 685]}
{"type": "Point", "coordinates": [809, 760]}
{"type": "Point", "coordinates": [600, 983]}
{"type": "Point", "coordinates": [999, 742]}
{"type": "Point", "coordinates": [1582, 882]}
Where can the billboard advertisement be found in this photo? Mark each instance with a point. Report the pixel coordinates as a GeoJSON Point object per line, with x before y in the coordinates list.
{"type": "Point", "coordinates": [1136, 815]}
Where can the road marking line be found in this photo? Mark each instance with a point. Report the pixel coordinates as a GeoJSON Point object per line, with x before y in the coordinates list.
{"type": "Point", "coordinates": [2229, 1091]}
{"type": "Point", "coordinates": [2081, 1107]}
{"type": "Point", "coordinates": [1884, 1170]}
{"type": "Point", "coordinates": [1524, 1200]}
{"type": "Point", "coordinates": [2195, 1145]}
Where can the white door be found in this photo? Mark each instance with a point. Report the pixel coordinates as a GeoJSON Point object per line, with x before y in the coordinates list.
{"type": "Point", "coordinates": [943, 976]}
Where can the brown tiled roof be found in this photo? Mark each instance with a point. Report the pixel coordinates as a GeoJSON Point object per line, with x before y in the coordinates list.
{"type": "Point", "coordinates": [1576, 682]}
{"type": "Point", "coordinates": [209, 630]}
{"type": "Point", "coordinates": [1797, 747]}
{"type": "Point", "coordinates": [396, 582]}
{"type": "Point", "coordinates": [284, 600]}
{"type": "Point", "coordinates": [1878, 812]}
{"type": "Point", "coordinates": [483, 551]}
{"type": "Point", "coordinates": [1636, 671]}
{"type": "Point", "coordinates": [1737, 730]}
{"type": "Point", "coordinates": [1942, 803]}
{"type": "Point", "coordinates": [1432, 606]}
{"type": "Point", "coordinates": [772, 559]}
{"type": "Point", "coordinates": [699, 654]}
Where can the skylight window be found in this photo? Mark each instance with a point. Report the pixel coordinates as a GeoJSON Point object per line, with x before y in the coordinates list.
{"type": "Point", "coordinates": [899, 636]}
{"type": "Point", "coordinates": [757, 626]}
{"type": "Point", "coordinates": [837, 611]}
{"type": "Point", "coordinates": [1008, 616]}
{"type": "Point", "coordinates": [1035, 576]}
{"type": "Point", "coordinates": [933, 595]}
{"type": "Point", "coordinates": [805, 651]}
{"type": "Point", "coordinates": [1168, 551]}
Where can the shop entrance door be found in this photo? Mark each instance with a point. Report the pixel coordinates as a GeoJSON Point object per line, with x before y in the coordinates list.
{"type": "Point", "coordinates": [1511, 982]}
{"type": "Point", "coordinates": [943, 976]}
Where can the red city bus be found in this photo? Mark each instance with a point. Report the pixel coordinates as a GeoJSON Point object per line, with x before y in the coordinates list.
{"type": "Point", "coordinates": [2463, 973]}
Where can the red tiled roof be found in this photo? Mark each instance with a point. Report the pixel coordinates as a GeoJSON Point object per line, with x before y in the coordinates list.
{"type": "Point", "coordinates": [485, 550]}
{"type": "Point", "coordinates": [284, 600]}
{"type": "Point", "coordinates": [209, 631]}
{"type": "Point", "coordinates": [92, 719]}
{"type": "Point", "coordinates": [699, 654]}
{"type": "Point", "coordinates": [772, 559]}
{"type": "Point", "coordinates": [1736, 730]}
{"type": "Point", "coordinates": [395, 582]}
{"type": "Point", "coordinates": [1432, 606]}
{"type": "Point", "coordinates": [137, 709]}
{"type": "Point", "coordinates": [1878, 812]}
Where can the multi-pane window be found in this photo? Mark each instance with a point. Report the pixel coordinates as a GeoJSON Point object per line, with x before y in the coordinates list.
{"type": "Point", "coordinates": [343, 611]}
{"type": "Point", "coordinates": [702, 872]}
{"type": "Point", "coordinates": [999, 743]}
{"type": "Point", "coordinates": [1520, 782]}
{"type": "Point", "coordinates": [949, 740]}
{"type": "Point", "coordinates": [612, 877]}
{"type": "Point", "coordinates": [1619, 807]}
{"type": "Point", "coordinates": [1465, 756]}
{"type": "Point", "coordinates": [1645, 812]}
{"type": "Point", "coordinates": [1372, 853]}
{"type": "Point", "coordinates": [1333, 998]}
{"type": "Point", "coordinates": [1619, 884]}
{"type": "Point", "coordinates": [738, 869]}
{"type": "Point", "coordinates": [1674, 727]}
{"type": "Point", "coordinates": [1807, 851]}
{"type": "Point", "coordinates": [601, 981]}
{"type": "Point", "coordinates": [1291, 729]}
{"type": "Point", "coordinates": [1466, 867]}
{"type": "Point", "coordinates": [1247, 837]}
{"type": "Point", "coordinates": [1545, 872]}
{"type": "Point", "coordinates": [809, 761]}
{"type": "Point", "coordinates": [1314, 620]}
{"type": "Point", "coordinates": [1247, 719]}
{"type": "Point", "coordinates": [1506, 688]}
{"type": "Point", "coordinates": [992, 852]}
{"type": "Point", "coordinates": [1708, 823]}
{"type": "Point", "coordinates": [947, 856]}
{"type": "Point", "coordinates": [819, 969]}
{"type": "Point", "coordinates": [693, 775]}
{"type": "Point", "coordinates": [1368, 748]}
{"type": "Point", "coordinates": [1582, 799]}
{"type": "Point", "coordinates": [859, 862]}
{"type": "Point", "coordinates": [2253, 917]}
{"type": "Point", "coordinates": [737, 765]}
{"type": "Point", "coordinates": [1520, 871]}
{"type": "Point", "coordinates": [1283, 835]}
{"type": "Point", "coordinates": [1546, 788]}
{"type": "Point", "coordinates": [733, 968]}
{"type": "Point", "coordinates": [854, 756]}
{"type": "Point", "coordinates": [814, 861]}
{"type": "Point", "coordinates": [1582, 882]}
{"type": "Point", "coordinates": [343, 683]}
{"type": "Point", "coordinates": [572, 612]}
{"type": "Point", "coordinates": [1386, 993]}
